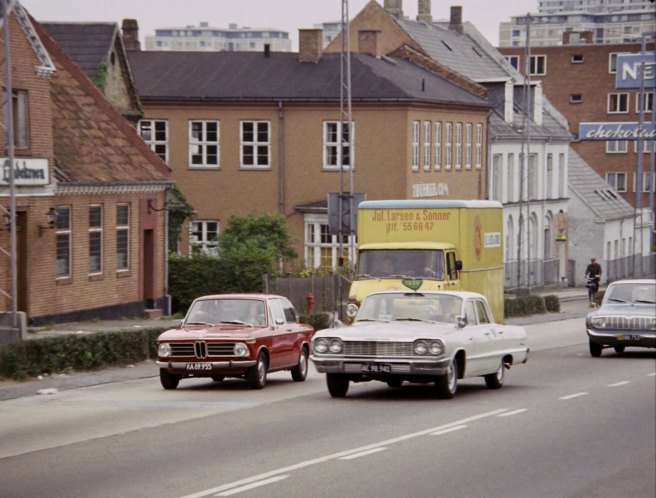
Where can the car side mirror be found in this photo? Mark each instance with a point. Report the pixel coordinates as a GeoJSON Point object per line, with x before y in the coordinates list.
{"type": "Point", "coordinates": [461, 321]}
{"type": "Point", "coordinates": [458, 264]}
{"type": "Point", "coordinates": [280, 321]}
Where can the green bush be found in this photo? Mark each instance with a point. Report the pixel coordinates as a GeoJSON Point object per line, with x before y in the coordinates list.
{"type": "Point", "coordinates": [552, 303]}
{"type": "Point", "coordinates": [529, 305]}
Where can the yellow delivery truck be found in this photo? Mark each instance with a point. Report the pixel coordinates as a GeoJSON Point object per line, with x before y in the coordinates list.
{"type": "Point", "coordinates": [448, 244]}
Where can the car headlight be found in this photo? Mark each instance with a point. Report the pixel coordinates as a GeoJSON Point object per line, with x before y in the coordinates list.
{"type": "Point", "coordinates": [240, 349]}
{"type": "Point", "coordinates": [336, 346]}
{"type": "Point", "coordinates": [321, 346]}
{"type": "Point", "coordinates": [164, 350]}
{"type": "Point", "coordinates": [420, 347]}
{"type": "Point", "coordinates": [351, 310]}
{"type": "Point", "coordinates": [436, 347]}
{"type": "Point", "coordinates": [598, 322]}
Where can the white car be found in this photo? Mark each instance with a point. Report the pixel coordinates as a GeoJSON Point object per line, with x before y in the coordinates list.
{"type": "Point", "coordinates": [426, 337]}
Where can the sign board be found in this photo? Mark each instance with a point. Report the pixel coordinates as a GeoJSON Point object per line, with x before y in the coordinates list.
{"type": "Point", "coordinates": [28, 172]}
{"type": "Point", "coordinates": [347, 205]}
{"type": "Point", "coordinates": [616, 131]}
{"type": "Point", "coordinates": [630, 68]}
{"type": "Point", "coordinates": [429, 190]}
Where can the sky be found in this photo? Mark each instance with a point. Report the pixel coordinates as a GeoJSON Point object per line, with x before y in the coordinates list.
{"type": "Point", "coordinates": [289, 15]}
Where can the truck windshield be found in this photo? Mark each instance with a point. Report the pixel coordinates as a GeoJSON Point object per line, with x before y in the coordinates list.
{"type": "Point", "coordinates": [400, 263]}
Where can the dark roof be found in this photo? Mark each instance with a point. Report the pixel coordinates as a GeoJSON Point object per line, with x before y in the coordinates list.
{"type": "Point", "coordinates": [88, 44]}
{"type": "Point", "coordinates": [248, 76]}
{"type": "Point", "coordinates": [93, 143]}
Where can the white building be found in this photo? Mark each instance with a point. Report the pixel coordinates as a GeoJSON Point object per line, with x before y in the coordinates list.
{"type": "Point", "coordinates": [206, 38]}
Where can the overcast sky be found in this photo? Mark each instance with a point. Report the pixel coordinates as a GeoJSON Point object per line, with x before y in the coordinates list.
{"type": "Point", "coordinates": [289, 15]}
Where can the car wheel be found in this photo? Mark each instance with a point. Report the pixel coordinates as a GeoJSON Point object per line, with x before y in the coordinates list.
{"type": "Point", "coordinates": [257, 374]}
{"type": "Point", "coordinates": [168, 380]}
{"type": "Point", "coordinates": [446, 385]}
{"type": "Point", "coordinates": [619, 349]}
{"type": "Point", "coordinates": [338, 385]}
{"type": "Point", "coordinates": [218, 378]}
{"type": "Point", "coordinates": [395, 383]}
{"type": "Point", "coordinates": [300, 371]}
{"type": "Point", "coordinates": [495, 380]}
{"type": "Point", "coordinates": [595, 349]}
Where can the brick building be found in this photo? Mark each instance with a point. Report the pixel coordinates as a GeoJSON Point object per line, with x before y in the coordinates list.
{"type": "Point", "coordinates": [101, 250]}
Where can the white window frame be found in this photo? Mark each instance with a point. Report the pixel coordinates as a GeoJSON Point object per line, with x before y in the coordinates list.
{"type": "Point", "coordinates": [468, 146]}
{"type": "Point", "coordinates": [458, 151]}
{"type": "Point", "coordinates": [437, 148]}
{"type": "Point", "coordinates": [20, 112]}
{"type": "Point", "coordinates": [511, 177]}
{"type": "Point", "coordinates": [613, 179]}
{"type": "Point", "coordinates": [427, 145]}
{"type": "Point", "coordinates": [155, 132]}
{"type": "Point", "coordinates": [534, 65]}
{"type": "Point", "coordinates": [617, 146]}
{"type": "Point", "coordinates": [198, 146]}
{"type": "Point", "coordinates": [321, 248]}
{"type": "Point", "coordinates": [122, 237]}
{"type": "Point", "coordinates": [208, 240]}
{"type": "Point", "coordinates": [513, 60]}
{"type": "Point", "coordinates": [64, 248]}
{"type": "Point", "coordinates": [479, 146]}
{"type": "Point", "coordinates": [645, 145]}
{"type": "Point", "coordinates": [414, 165]}
{"type": "Point", "coordinates": [448, 140]}
{"type": "Point", "coordinates": [496, 186]}
{"type": "Point", "coordinates": [257, 145]}
{"type": "Point", "coordinates": [335, 148]}
{"type": "Point", "coordinates": [649, 102]}
{"type": "Point", "coordinates": [615, 104]}
{"type": "Point", "coordinates": [95, 237]}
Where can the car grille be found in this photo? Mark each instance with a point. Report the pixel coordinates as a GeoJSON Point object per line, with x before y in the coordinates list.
{"type": "Point", "coordinates": [374, 348]}
{"type": "Point", "coordinates": [630, 322]}
{"type": "Point", "coordinates": [202, 349]}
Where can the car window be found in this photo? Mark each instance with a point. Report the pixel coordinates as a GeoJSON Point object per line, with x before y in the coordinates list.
{"type": "Point", "coordinates": [470, 313]}
{"type": "Point", "coordinates": [277, 311]}
{"type": "Point", "coordinates": [290, 312]}
{"type": "Point", "coordinates": [481, 310]}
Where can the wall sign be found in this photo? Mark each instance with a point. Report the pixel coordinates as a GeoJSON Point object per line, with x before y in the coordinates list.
{"type": "Point", "coordinates": [616, 131]}
{"type": "Point", "coordinates": [27, 172]}
{"type": "Point", "coordinates": [630, 67]}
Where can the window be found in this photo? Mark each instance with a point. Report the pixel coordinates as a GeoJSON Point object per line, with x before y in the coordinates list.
{"type": "Point", "coordinates": [20, 114]}
{"type": "Point", "coordinates": [617, 146]}
{"type": "Point", "coordinates": [427, 144]}
{"type": "Point", "coordinates": [203, 144]}
{"type": "Point", "coordinates": [577, 58]}
{"type": "Point", "coordinates": [497, 176]}
{"type": "Point", "coordinates": [533, 178]}
{"type": "Point", "coordinates": [122, 236]}
{"type": "Point", "coordinates": [336, 153]}
{"type": "Point", "coordinates": [155, 133]}
{"type": "Point", "coordinates": [617, 181]}
{"type": "Point", "coordinates": [511, 177]}
{"type": "Point", "coordinates": [648, 102]}
{"type": "Point", "coordinates": [322, 249]}
{"type": "Point", "coordinates": [481, 311]}
{"type": "Point", "coordinates": [538, 65]}
{"type": "Point", "coordinates": [458, 158]}
{"type": "Point", "coordinates": [255, 144]}
{"type": "Point", "coordinates": [479, 146]}
{"type": "Point", "coordinates": [63, 234]}
{"type": "Point", "coordinates": [95, 239]}
{"type": "Point", "coordinates": [647, 145]}
{"type": "Point", "coordinates": [448, 139]}
{"type": "Point", "coordinates": [575, 98]}
{"type": "Point", "coordinates": [550, 176]}
{"type": "Point", "coordinates": [438, 145]}
{"type": "Point", "coordinates": [513, 60]}
{"type": "Point", "coordinates": [468, 145]}
{"type": "Point", "coordinates": [618, 103]}
{"type": "Point", "coordinates": [415, 145]}
{"type": "Point", "coordinates": [204, 237]}
{"type": "Point", "coordinates": [561, 176]}
{"type": "Point", "coordinates": [648, 184]}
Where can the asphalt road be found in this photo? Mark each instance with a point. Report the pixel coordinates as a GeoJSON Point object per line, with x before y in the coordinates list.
{"type": "Point", "coordinates": [565, 424]}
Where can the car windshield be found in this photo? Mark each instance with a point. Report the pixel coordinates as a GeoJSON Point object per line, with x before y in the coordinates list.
{"type": "Point", "coordinates": [631, 292]}
{"type": "Point", "coordinates": [238, 311]}
{"type": "Point", "coordinates": [410, 306]}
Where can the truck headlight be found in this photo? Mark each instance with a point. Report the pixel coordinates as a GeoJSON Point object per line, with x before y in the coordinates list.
{"type": "Point", "coordinates": [240, 349]}
{"type": "Point", "coordinates": [164, 350]}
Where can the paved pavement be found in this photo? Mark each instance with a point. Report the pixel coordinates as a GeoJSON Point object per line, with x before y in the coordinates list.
{"type": "Point", "coordinates": [573, 304]}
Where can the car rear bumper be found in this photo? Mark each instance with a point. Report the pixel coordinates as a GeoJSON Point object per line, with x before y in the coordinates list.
{"type": "Point", "coordinates": [623, 338]}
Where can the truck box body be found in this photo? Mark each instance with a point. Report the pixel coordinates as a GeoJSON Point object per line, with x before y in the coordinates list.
{"type": "Point", "coordinates": [428, 240]}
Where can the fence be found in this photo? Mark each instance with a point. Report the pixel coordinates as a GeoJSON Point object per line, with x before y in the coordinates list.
{"type": "Point", "coordinates": [327, 291]}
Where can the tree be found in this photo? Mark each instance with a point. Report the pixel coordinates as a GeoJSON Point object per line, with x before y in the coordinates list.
{"type": "Point", "coordinates": [253, 245]}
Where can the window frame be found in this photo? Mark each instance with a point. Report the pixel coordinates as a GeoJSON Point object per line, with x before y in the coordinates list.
{"type": "Point", "coordinates": [448, 145]}
{"type": "Point", "coordinates": [535, 62]}
{"type": "Point", "coordinates": [63, 237]}
{"type": "Point", "coordinates": [458, 146]}
{"type": "Point", "coordinates": [338, 146]}
{"type": "Point", "coordinates": [321, 248]}
{"type": "Point", "coordinates": [615, 183]}
{"type": "Point", "coordinates": [122, 232]}
{"type": "Point", "coordinates": [203, 144]}
{"type": "Point", "coordinates": [21, 115]}
{"type": "Point", "coordinates": [157, 145]}
{"type": "Point", "coordinates": [427, 145]}
{"type": "Point", "coordinates": [256, 144]}
{"type": "Point", "coordinates": [615, 104]}
{"type": "Point", "coordinates": [95, 240]}
{"type": "Point", "coordinates": [648, 104]}
{"type": "Point", "coordinates": [205, 243]}
{"type": "Point", "coordinates": [479, 146]}
{"type": "Point", "coordinates": [468, 145]}
{"type": "Point", "coordinates": [437, 147]}
{"type": "Point", "coordinates": [414, 164]}
{"type": "Point", "coordinates": [617, 146]}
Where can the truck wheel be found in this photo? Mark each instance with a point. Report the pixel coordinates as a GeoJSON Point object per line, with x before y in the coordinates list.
{"type": "Point", "coordinates": [595, 349]}
{"type": "Point", "coordinates": [338, 385]}
{"type": "Point", "coordinates": [300, 371]}
{"type": "Point", "coordinates": [168, 380]}
{"type": "Point", "coordinates": [446, 385]}
{"type": "Point", "coordinates": [495, 380]}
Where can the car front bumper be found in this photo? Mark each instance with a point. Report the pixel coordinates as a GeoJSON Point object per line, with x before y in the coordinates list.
{"type": "Point", "coordinates": [622, 338]}
{"type": "Point", "coordinates": [200, 367]}
{"type": "Point", "coordinates": [380, 367]}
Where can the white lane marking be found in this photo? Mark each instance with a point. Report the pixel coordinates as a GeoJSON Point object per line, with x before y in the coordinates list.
{"type": "Point", "coordinates": [363, 453]}
{"type": "Point", "coordinates": [450, 429]}
{"type": "Point", "coordinates": [622, 383]}
{"type": "Point", "coordinates": [572, 396]}
{"type": "Point", "coordinates": [334, 456]}
{"type": "Point", "coordinates": [253, 486]}
{"type": "Point", "coordinates": [653, 374]}
{"type": "Point", "coordinates": [515, 412]}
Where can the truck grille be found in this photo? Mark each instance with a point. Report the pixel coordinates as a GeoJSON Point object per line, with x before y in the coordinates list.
{"type": "Point", "coordinates": [202, 349]}
{"type": "Point", "coordinates": [374, 348]}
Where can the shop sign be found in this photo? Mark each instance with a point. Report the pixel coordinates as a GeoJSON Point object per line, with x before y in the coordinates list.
{"type": "Point", "coordinates": [630, 68]}
{"type": "Point", "coordinates": [616, 131]}
{"type": "Point", "coordinates": [28, 172]}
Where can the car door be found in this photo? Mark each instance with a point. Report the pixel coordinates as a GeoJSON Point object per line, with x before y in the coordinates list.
{"type": "Point", "coordinates": [282, 335]}
{"type": "Point", "coordinates": [481, 338]}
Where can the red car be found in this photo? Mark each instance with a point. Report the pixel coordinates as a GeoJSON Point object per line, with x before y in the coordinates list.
{"type": "Point", "coordinates": [235, 335]}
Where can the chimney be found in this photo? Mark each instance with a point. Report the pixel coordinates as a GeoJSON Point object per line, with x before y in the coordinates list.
{"type": "Point", "coordinates": [424, 11]}
{"type": "Point", "coordinates": [455, 23]}
{"type": "Point", "coordinates": [130, 29]}
{"type": "Point", "coordinates": [394, 8]}
{"type": "Point", "coordinates": [267, 50]}
{"type": "Point", "coordinates": [309, 45]}
{"type": "Point", "coordinates": [369, 42]}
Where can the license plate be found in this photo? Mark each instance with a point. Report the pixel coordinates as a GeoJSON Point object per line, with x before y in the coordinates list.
{"type": "Point", "coordinates": [199, 367]}
{"type": "Point", "coordinates": [627, 337]}
{"type": "Point", "coordinates": [376, 368]}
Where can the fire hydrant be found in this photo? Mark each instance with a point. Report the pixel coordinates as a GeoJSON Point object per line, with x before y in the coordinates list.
{"type": "Point", "coordinates": [309, 298]}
